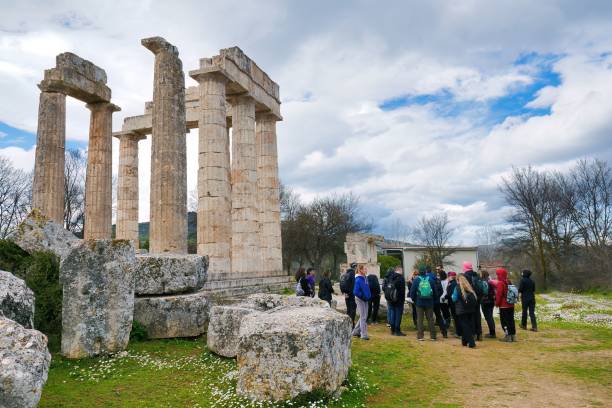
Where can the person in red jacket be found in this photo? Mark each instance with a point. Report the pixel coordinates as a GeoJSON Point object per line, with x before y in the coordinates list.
{"type": "Point", "coordinates": [506, 310]}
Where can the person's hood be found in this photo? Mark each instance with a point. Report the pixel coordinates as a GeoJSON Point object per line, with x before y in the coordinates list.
{"type": "Point", "coordinates": [467, 266]}
{"type": "Point", "coordinates": [502, 274]}
{"type": "Point", "coordinates": [526, 273]}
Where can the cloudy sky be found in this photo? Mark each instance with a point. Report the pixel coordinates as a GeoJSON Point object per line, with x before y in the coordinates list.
{"type": "Point", "coordinates": [416, 106]}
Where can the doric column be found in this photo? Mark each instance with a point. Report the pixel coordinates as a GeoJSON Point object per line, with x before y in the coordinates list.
{"type": "Point", "coordinates": [48, 185]}
{"type": "Point", "coordinates": [168, 221]}
{"type": "Point", "coordinates": [99, 175]}
{"type": "Point", "coordinates": [214, 187]}
{"type": "Point", "coordinates": [268, 193]}
{"type": "Point", "coordinates": [127, 187]}
{"type": "Point", "coordinates": [245, 214]}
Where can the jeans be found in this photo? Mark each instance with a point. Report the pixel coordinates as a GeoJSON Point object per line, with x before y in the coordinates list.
{"type": "Point", "coordinates": [428, 313]}
{"type": "Point", "coordinates": [466, 322]}
{"type": "Point", "coordinates": [439, 319]}
{"type": "Point", "coordinates": [396, 317]}
{"type": "Point", "coordinates": [529, 306]}
{"type": "Point", "coordinates": [361, 328]}
{"type": "Point", "coordinates": [487, 311]}
{"type": "Point", "coordinates": [373, 306]}
{"type": "Point", "coordinates": [506, 315]}
{"type": "Point", "coordinates": [351, 307]}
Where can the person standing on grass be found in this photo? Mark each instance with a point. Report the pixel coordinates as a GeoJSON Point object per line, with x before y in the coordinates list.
{"type": "Point", "coordinates": [415, 275]}
{"type": "Point", "coordinates": [465, 301]}
{"type": "Point", "coordinates": [362, 296]}
{"type": "Point", "coordinates": [347, 284]}
{"type": "Point", "coordinates": [310, 277]}
{"type": "Point", "coordinates": [438, 289]}
{"type": "Point", "coordinates": [488, 304]}
{"type": "Point", "coordinates": [303, 287]}
{"type": "Point", "coordinates": [384, 289]}
{"type": "Point", "coordinates": [444, 307]}
{"type": "Point", "coordinates": [374, 303]}
{"type": "Point", "coordinates": [422, 294]}
{"type": "Point", "coordinates": [474, 280]}
{"type": "Point", "coordinates": [395, 295]}
{"type": "Point", "coordinates": [506, 310]}
{"type": "Point", "coordinates": [450, 288]}
{"type": "Point", "coordinates": [527, 291]}
{"type": "Point", "coordinates": [326, 289]}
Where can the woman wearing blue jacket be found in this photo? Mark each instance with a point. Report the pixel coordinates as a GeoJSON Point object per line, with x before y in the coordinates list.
{"type": "Point", "coordinates": [362, 296]}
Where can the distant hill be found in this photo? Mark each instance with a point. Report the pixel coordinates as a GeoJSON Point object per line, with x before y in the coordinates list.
{"type": "Point", "coordinates": [192, 227]}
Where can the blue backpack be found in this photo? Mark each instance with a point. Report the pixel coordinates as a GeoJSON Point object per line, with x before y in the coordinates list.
{"type": "Point", "coordinates": [512, 295]}
{"type": "Point", "coordinates": [424, 289]}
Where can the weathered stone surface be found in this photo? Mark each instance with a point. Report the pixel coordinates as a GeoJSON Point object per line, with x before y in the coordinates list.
{"type": "Point", "coordinates": [167, 274]}
{"type": "Point", "coordinates": [38, 233]}
{"type": "Point", "coordinates": [16, 300]}
{"type": "Point", "coordinates": [24, 365]}
{"type": "Point", "coordinates": [268, 301]}
{"type": "Point", "coordinates": [172, 316]}
{"type": "Point", "coordinates": [291, 351]}
{"type": "Point", "coordinates": [97, 278]}
{"type": "Point", "coordinates": [84, 67]}
{"type": "Point", "coordinates": [224, 327]}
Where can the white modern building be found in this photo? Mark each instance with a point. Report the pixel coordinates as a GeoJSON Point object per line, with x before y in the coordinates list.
{"type": "Point", "coordinates": [454, 262]}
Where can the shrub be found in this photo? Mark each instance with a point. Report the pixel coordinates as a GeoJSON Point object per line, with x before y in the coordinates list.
{"type": "Point", "coordinates": [386, 262]}
{"type": "Point", "coordinates": [138, 332]}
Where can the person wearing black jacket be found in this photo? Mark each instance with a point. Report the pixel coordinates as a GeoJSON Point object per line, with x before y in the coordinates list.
{"type": "Point", "coordinates": [464, 298]}
{"type": "Point", "coordinates": [326, 289]}
{"type": "Point", "coordinates": [349, 297]}
{"type": "Point", "coordinates": [300, 276]}
{"type": "Point", "coordinates": [374, 302]}
{"type": "Point", "coordinates": [415, 275]}
{"type": "Point", "coordinates": [527, 292]}
{"type": "Point", "coordinates": [488, 304]}
{"type": "Point", "coordinates": [452, 283]}
{"type": "Point", "coordinates": [395, 296]}
{"type": "Point", "coordinates": [474, 281]}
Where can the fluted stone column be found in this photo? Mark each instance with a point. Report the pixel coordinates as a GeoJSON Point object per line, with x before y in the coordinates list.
{"type": "Point", "coordinates": [48, 185]}
{"type": "Point", "coordinates": [245, 213]}
{"type": "Point", "coordinates": [214, 187]}
{"type": "Point", "coordinates": [168, 222]}
{"type": "Point", "coordinates": [127, 188]}
{"type": "Point", "coordinates": [269, 199]}
{"type": "Point", "coordinates": [99, 175]}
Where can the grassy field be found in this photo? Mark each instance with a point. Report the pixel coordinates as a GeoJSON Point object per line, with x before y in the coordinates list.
{"type": "Point", "coordinates": [566, 364]}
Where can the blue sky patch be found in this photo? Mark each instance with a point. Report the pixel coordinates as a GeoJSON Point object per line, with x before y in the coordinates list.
{"type": "Point", "coordinates": [12, 136]}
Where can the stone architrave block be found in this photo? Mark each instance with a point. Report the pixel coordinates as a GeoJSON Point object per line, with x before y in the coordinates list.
{"type": "Point", "coordinates": [16, 300]}
{"type": "Point", "coordinates": [97, 278]}
{"type": "Point", "coordinates": [172, 316]}
{"type": "Point", "coordinates": [24, 365]}
{"type": "Point", "coordinates": [167, 274]}
{"type": "Point", "coordinates": [291, 351]}
{"type": "Point", "coordinates": [38, 233]}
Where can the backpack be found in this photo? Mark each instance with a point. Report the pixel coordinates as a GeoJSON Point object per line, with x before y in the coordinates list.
{"type": "Point", "coordinates": [298, 288]}
{"type": "Point", "coordinates": [424, 289]}
{"type": "Point", "coordinates": [344, 282]}
{"type": "Point", "coordinates": [470, 299]}
{"type": "Point", "coordinates": [478, 286]}
{"type": "Point", "coordinates": [391, 292]}
{"type": "Point", "coordinates": [484, 285]}
{"type": "Point", "coordinates": [512, 295]}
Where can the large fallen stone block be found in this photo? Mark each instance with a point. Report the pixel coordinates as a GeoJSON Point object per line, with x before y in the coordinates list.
{"type": "Point", "coordinates": [97, 278]}
{"type": "Point", "coordinates": [268, 301]}
{"type": "Point", "coordinates": [38, 233]}
{"type": "Point", "coordinates": [167, 274]}
{"type": "Point", "coordinates": [293, 350]}
{"type": "Point", "coordinates": [24, 365]}
{"type": "Point", "coordinates": [224, 328]}
{"type": "Point", "coordinates": [16, 300]}
{"type": "Point", "coordinates": [172, 316]}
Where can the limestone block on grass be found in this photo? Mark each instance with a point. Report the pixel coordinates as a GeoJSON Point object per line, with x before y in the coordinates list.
{"type": "Point", "coordinates": [16, 300]}
{"type": "Point", "coordinates": [97, 278]}
{"type": "Point", "coordinates": [267, 301]}
{"type": "Point", "coordinates": [224, 327]}
{"type": "Point", "coordinates": [38, 233]}
{"type": "Point", "coordinates": [291, 351]}
{"type": "Point", "coordinates": [172, 316]}
{"type": "Point", "coordinates": [167, 274]}
{"type": "Point", "coordinates": [24, 365]}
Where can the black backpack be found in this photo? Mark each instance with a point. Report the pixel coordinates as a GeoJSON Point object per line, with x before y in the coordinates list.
{"type": "Point", "coordinates": [345, 280]}
{"type": "Point", "coordinates": [391, 290]}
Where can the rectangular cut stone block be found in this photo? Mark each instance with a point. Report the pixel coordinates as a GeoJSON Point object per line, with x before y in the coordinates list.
{"type": "Point", "coordinates": [166, 274]}
{"type": "Point", "coordinates": [84, 67]}
{"type": "Point", "coordinates": [71, 82]}
{"type": "Point", "coordinates": [291, 351]}
{"type": "Point", "coordinates": [97, 279]}
{"type": "Point", "coordinates": [224, 327]}
{"type": "Point", "coordinates": [172, 316]}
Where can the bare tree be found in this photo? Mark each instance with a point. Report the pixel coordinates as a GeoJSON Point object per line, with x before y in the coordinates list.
{"type": "Point", "coordinates": [192, 200]}
{"type": "Point", "coordinates": [74, 190]}
{"type": "Point", "coordinates": [489, 238]}
{"type": "Point", "coordinates": [15, 196]}
{"type": "Point", "coordinates": [434, 233]}
{"type": "Point", "coordinates": [399, 230]}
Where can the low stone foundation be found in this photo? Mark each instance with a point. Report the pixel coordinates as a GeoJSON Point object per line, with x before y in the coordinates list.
{"type": "Point", "coordinates": [232, 288]}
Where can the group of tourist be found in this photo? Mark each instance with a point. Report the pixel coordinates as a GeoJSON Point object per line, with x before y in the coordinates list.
{"type": "Point", "coordinates": [452, 302]}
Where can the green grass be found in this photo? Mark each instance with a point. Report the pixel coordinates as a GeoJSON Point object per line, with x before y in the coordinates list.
{"type": "Point", "coordinates": [599, 372]}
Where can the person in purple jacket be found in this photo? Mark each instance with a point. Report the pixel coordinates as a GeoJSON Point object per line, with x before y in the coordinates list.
{"type": "Point", "coordinates": [362, 296]}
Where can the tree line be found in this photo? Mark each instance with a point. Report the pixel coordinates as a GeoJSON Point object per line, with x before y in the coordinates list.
{"type": "Point", "coordinates": [562, 223]}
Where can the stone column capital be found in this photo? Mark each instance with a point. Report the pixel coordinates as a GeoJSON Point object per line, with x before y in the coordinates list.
{"type": "Point", "coordinates": [101, 106]}
{"type": "Point", "coordinates": [266, 116]}
{"type": "Point", "coordinates": [158, 45]}
{"type": "Point", "coordinates": [201, 75]}
{"type": "Point", "coordinates": [241, 98]}
{"type": "Point", "coordinates": [130, 135]}
{"type": "Point", "coordinates": [45, 87]}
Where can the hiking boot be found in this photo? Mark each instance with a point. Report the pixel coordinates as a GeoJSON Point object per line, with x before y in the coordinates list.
{"type": "Point", "coordinates": [523, 327]}
{"type": "Point", "coordinates": [364, 338]}
{"type": "Point", "coordinates": [513, 338]}
{"type": "Point", "coordinates": [399, 333]}
{"type": "Point", "coordinates": [506, 339]}
{"type": "Point", "coordinates": [472, 346]}
{"type": "Point", "coordinates": [421, 338]}
{"type": "Point", "coordinates": [534, 329]}
{"type": "Point", "coordinates": [490, 336]}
